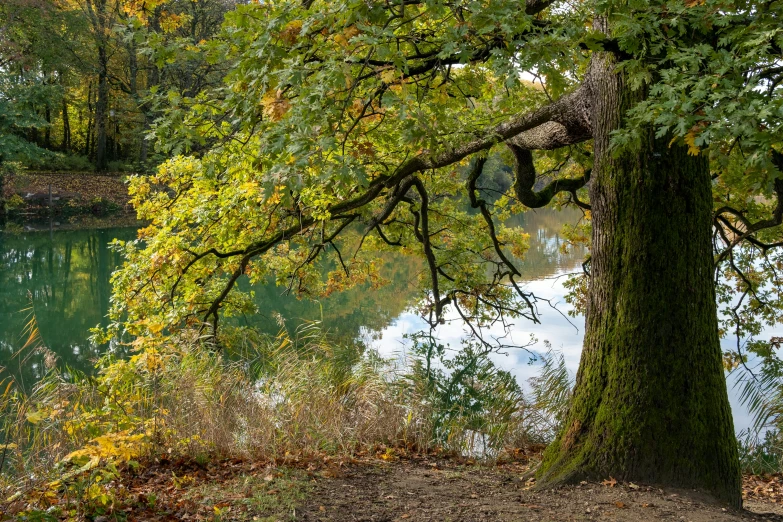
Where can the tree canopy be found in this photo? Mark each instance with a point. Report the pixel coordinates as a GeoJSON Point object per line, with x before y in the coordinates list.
{"type": "Point", "coordinates": [103, 66]}
{"type": "Point", "coordinates": [361, 117]}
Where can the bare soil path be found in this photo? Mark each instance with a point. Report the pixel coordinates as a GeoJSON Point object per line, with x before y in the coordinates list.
{"type": "Point", "coordinates": [414, 489]}
{"type": "Point", "coordinates": [409, 491]}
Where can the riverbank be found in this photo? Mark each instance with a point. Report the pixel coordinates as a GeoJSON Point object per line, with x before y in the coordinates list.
{"type": "Point", "coordinates": [30, 194]}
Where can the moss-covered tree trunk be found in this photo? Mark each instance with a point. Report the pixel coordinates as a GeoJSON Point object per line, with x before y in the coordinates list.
{"type": "Point", "coordinates": [2, 194]}
{"type": "Point", "coordinates": [650, 402]}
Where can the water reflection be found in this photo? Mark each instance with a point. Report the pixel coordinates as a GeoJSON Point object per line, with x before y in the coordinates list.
{"type": "Point", "coordinates": [65, 274]}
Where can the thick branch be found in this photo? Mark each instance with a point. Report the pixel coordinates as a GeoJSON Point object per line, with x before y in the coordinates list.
{"type": "Point", "coordinates": [570, 124]}
{"type": "Point", "coordinates": [557, 111]}
{"type": "Point", "coordinates": [526, 178]}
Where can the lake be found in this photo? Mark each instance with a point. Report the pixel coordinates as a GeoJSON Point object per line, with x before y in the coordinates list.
{"type": "Point", "coordinates": [65, 276]}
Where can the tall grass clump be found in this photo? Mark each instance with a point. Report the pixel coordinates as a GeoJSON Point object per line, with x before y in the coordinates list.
{"type": "Point", "coordinates": [303, 393]}
{"type": "Point", "coordinates": [761, 392]}
{"type": "Point", "coordinates": [760, 453]}
{"type": "Point", "coordinates": [271, 398]}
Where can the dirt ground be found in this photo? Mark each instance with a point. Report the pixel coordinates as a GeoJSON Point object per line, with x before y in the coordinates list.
{"type": "Point", "coordinates": [81, 186]}
{"type": "Point", "coordinates": [380, 489]}
{"type": "Point", "coordinates": [437, 492]}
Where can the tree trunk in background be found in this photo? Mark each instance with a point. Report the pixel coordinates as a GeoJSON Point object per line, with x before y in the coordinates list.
{"type": "Point", "coordinates": [101, 16]}
{"type": "Point", "coordinates": [66, 143]}
{"type": "Point", "coordinates": [145, 144]}
{"type": "Point", "coordinates": [88, 138]}
{"type": "Point", "coordinates": [650, 402]}
{"type": "Point", "coordinates": [101, 111]}
{"type": "Point", "coordinates": [153, 80]}
{"type": "Point", "coordinates": [48, 130]}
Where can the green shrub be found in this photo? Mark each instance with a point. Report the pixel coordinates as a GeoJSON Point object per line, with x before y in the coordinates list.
{"type": "Point", "coordinates": [121, 166]}
{"type": "Point", "coordinates": [100, 206]}
{"type": "Point", "coordinates": [62, 162]}
{"type": "Point", "coordinates": [15, 202]}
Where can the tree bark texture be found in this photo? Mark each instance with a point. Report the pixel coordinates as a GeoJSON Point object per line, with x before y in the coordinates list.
{"type": "Point", "coordinates": [650, 402]}
{"type": "Point", "coordinates": [101, 111]}
{"type": "Point", "coordinates": [66, 143]}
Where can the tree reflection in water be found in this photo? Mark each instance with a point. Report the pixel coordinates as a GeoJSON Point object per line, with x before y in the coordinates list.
{"type": "Point", "coordinates": [67, 273]}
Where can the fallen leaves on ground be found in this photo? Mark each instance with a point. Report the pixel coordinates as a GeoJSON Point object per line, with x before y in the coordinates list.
{"type": "Point", "coordinates": [611, 482]}
{"type": "Point", "coordinates": [767, 488]}
{"type": "Point", "coordinates": [83, 186]}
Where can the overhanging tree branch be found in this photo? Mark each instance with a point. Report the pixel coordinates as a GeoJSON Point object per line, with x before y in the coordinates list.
{"type": "Point", "coordinates": [526, 178]}
{"type": "Point", "coordinates": [568, 112]}
{"type": "Point", "coordinates": [752, 228]}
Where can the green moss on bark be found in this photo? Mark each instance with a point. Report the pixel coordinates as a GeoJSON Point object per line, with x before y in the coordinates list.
{"type": "Point", "coordinates": [650, 402]}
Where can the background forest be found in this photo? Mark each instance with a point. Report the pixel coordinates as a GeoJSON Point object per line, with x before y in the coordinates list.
{"type": "Point", "coordinates": [82, 81]}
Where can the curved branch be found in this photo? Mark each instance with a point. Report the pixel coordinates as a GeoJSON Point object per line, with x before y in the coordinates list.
{"type": "Point", "coordinates": [526, 178]}
{"type": "Point", "coordinates": [480, 204]}
{"type": "Point", "coordinates": [424, 237]}
{"type": "Point", "coordinates": [402, 179]}
{"type": "Point", "coordinates": [752, 228]}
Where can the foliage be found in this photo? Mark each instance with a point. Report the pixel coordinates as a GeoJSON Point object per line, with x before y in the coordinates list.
{"type": "Point", "coordinates": [61, 162]}
{"type": "Point", "coordinates": [761, 387]}
{"type": "Point", "coordinates": [550, 398]}
{"type": "Point", "coordinates": [476, 407]}
{"type": "Point", "coordinates": [18, 118]}
{"type": "Point", "coordinates": [100, 67]}
{"type": "Point", "coordinates": [287, 143]}
{"type": "Point", "coordinates": [760, 455]}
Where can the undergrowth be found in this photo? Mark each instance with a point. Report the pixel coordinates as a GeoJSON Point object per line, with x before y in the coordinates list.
{"type": "Point", "coordinates": [290, 397]}
{"type": "Point", "coordinates": [760, 454]}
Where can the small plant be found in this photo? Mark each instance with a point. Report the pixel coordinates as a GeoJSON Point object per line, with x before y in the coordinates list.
{"type": "Point", "coordinates": [100, 206]}
{"type": "Point", "coordinates": [475, 408]}
{"type": "Point", "coordinates": [760, 455]}
{"type": "Point", "coordinates": [55, 161]}
{"type": "Point", "coordinates": [14, 203]}
{"type": "Point", "coordinates": [550, 397]}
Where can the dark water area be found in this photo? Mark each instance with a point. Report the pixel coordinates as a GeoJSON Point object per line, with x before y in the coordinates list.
{"type": "Point", "coordinates": [65, 276]}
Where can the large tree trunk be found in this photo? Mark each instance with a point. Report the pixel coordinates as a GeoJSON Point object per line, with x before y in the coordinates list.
{"type": "Point", "coordinates": [650, 402]}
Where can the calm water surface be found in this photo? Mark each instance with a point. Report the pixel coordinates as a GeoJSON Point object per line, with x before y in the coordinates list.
{"type": "Point", "coordinates": [65, 276]}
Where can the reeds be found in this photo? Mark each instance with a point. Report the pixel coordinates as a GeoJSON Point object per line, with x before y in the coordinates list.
{"type": "Point", "coordinates": [287, 397]}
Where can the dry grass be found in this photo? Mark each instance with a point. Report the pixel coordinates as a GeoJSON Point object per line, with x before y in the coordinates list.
{"type": "Point", "coordinates": [286, 398]}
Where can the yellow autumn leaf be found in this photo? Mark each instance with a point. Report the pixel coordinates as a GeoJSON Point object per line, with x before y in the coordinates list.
{"type": "Point", "coordinates": [690, 140]}
{"type": "Point", "coordinates": [156, 327]}
{"type": "Point", "coordinates": [343, 38]}
{"type": "Point", "coordinates": [388, 75]}
{"type": "Point", "coordinates": [170, 22]}
{"type": "Point", "coordinates": [290, 33]}
{"type": "Point", "coordinates": [275, 105]}
{"type": "Point", "coordinates": [35, 417]}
